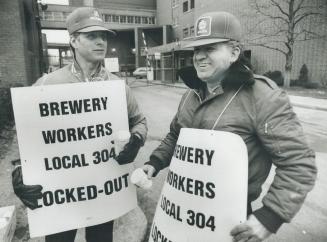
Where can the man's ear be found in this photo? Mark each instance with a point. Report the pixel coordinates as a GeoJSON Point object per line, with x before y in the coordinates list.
{"type": "Point", "coordinates": [73, 40]}
{"type": "Point", "coordinates": [236, 51]}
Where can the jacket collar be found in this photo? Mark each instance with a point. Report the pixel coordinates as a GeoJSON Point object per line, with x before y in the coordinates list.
{"type": "Point", "coordinates": [238, 74]}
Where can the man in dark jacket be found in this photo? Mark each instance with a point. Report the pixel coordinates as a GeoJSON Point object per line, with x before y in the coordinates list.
{"type": "Point", "coordinates": [225, 95]}
{"type": "Point", "coordinates": [88, 39]}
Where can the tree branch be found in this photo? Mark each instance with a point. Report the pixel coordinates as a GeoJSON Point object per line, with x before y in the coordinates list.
{"type": "Point", "coordinates": [280, 8]}
{"type": "Point", "coordinates": [269, 47]}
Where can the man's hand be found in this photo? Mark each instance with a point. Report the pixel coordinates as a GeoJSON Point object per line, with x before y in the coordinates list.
{"type": "Point", "coordinates": [250, 231]}
{"type": "Point", "coordinates": [27, 194]}
{"type": "Point", "coordinates": [149, 170]}
{"type": "Point", "coordinates": [130, 150]}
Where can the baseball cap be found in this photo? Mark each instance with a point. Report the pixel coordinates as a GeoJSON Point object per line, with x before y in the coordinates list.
{"type": "Point", "coordinates": [215, 27]}
{"type": "Point", "coordinates": [85, 19]}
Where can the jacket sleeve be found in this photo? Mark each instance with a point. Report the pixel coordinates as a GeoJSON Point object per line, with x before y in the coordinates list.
{"type": "Point", "coordinates": [136, 120]}
{"type": "Point", "coordinates": [161, 156]}
{"type": "Point", "coordinates": [282, 136]}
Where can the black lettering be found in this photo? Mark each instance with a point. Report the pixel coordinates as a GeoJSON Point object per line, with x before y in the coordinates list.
{"type": "Point", "coordinates": [71, 134]}
{"type": "Point", "coordinates": [198, 159]}
{"type": "Point", "coordinates": [61, 135]}
{"type": "Point", "coordinates": [99, 130]}
{"type": "Point", "coordinates": [58, 199]}
{"type": "Point", "coordinates": [64, 162]}
{"type": "Point", "coordinates": [47, 198]}
{"type": "Point", "coordinates": [54, 107]}
{"type": "Point", "coordinates": [44, 109]}
{"type": "Point", "coordinates": [87, 105]}
{"type": "Point", "coordinates": [209, 154]}
{"type": "Point", "coordinates": [81, 193]}
{"type": "Point", "coordinates": [91, 131]}
{"type": "Point", "coordinates": [56, 163]}
{"type": "Point", "coordinates": [64, 108]}
{"type": "Point", "coordinates": [49, 136]}
{"type": "Point", "coordinates": [46, 163]}
{"type": "Point", "coordinates": [108, 128]}
{"type": "Point", "coordinates": [108, 188]}
{"type": "Point", "coordinates": [210, 190]}
{"type": "Point", "coordinates": [91, 192]}
{"type": "Point", "coordinates": [80, 133]}
{"type": "Point", "coordinates": [69, 195]}
{"type": "Point", "coordinates": [75, 106]}
{"type": "Point", "coordinates": [198, 188]}
{"type": "Point", "coordinates": [190, 154]}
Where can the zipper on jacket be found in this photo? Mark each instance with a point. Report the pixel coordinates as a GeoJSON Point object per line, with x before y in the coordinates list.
{"type": "Point", "coordinates": [197, 96]}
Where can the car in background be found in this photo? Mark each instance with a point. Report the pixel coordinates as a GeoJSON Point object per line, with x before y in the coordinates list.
{"type": "Point", "coordinates": [140, 72]}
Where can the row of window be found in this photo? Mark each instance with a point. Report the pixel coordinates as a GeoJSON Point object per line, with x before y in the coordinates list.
{"type": "Point", "coordinates": [188, 32]}
{"type": "Point", "coordinates": [110, 18]}
{"type": "Point", "coordinates": [128, 19]}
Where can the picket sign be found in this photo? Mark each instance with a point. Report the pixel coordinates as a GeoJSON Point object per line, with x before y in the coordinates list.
{"type": "Point", "coordinates": [66, 144]}
{"type": "Point", "coordinates": [205, 193]}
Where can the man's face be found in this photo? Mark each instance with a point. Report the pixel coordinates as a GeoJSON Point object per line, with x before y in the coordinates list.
{"type": "Point", "coordinates": [91, 46]}
{"type": "Point", "coordinates": [213, 60]}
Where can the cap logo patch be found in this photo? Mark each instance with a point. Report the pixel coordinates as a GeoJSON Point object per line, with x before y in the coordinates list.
{"type": "Point", "coordinates": [203, 27]}
{"type": "Point", "coordinates": [96, 16]}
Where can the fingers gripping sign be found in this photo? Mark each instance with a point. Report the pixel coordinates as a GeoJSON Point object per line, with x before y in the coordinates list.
{"type": "Point", "coordinates": [149, 170]}
{"type": "Point", "coordinates": [251, 231]}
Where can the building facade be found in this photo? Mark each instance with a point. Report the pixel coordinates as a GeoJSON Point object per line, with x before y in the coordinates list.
{"type": "Point", "coordinates": [182, 14]}
{"type": "Point", "coordinates": [133, 21]}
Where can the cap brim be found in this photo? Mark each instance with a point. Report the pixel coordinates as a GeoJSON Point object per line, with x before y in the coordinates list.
{"type": "Point", "coordinates": [200, 42]}
{"type": "Point", "coordinates": [95, 28]}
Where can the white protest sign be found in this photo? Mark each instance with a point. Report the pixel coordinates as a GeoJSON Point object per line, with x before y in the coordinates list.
{"type": "Point", "coordinates": [66, 144]}
{"type": "Point", "coordinates": [205, 192]}
{"type": "Point", "coordinates": [112, 64]}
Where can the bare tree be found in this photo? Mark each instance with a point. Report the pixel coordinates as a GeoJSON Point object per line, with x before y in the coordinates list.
{"type": "Point", "coordinates": [280, 24]}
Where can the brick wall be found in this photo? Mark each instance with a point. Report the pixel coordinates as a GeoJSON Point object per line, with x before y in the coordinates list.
{"type": "Point", "coordinates": [12, 56]}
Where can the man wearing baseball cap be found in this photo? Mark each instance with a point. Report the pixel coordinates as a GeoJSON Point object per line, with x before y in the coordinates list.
{"type": "Point", "coordinates": [88, 40]}
{"type": "Point", "coordinates": [225, 95]}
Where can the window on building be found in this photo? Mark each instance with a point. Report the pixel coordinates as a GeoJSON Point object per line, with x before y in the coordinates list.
{"type": "Point", "coordinates": [122, 18]}
{"type": "Point", "coordinates": [152, 20]}
{"type": "Point", "coordinates": [137, 19]}
{"type": "Point", "coordinates": [192, 31]}
{"type": "Point", "coordinates": [185, 6]}
{"type": "Point", "coordinates": [107, 18]}
{"type": "Point", "coordinates": [145, 20]}
{"type": "Point", "coordinates": [115, 18]}
{"type": "Point", "coordinates": [130, 19]}
{"type": "Point", "coordinates": [191, 4]}
{"type": "Point", "coordinates": [185, 33]}
{"type": "Point", "coordinates": [174, 3]}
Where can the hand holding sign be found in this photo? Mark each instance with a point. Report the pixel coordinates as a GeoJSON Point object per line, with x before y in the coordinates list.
{"type": "Point", "coordinates": [28, 194]}
{"type": "Point", "coordinates": [251, 230]}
